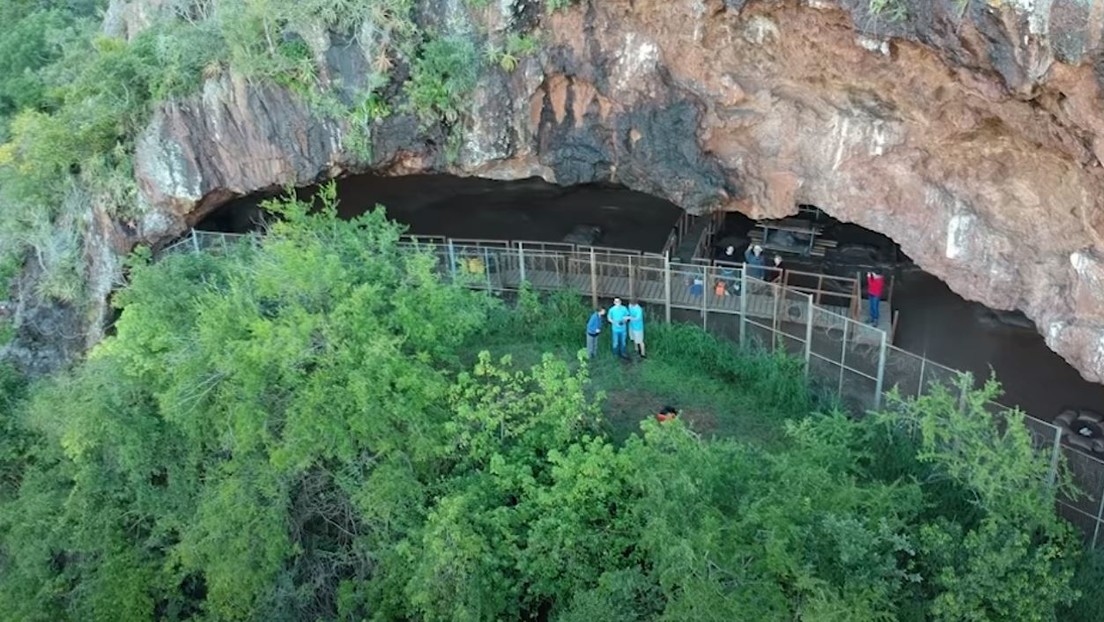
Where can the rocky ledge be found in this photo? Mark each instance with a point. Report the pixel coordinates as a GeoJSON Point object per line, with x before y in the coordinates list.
{"type": "Point", "coordinates": [971, 135]}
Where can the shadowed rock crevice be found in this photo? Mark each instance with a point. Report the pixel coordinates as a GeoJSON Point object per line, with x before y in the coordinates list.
{"type": "Point", "coordinates": [973, 138]}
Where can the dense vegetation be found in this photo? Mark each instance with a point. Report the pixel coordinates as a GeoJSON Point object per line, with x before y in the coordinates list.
{"type": "Point", "coordinates": [73, 99]}
{"type": "Point", "coordinates": [314, 427]}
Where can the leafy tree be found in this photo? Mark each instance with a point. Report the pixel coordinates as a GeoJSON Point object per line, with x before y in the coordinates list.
{"type": "Point", "coordinates": [310, 426]}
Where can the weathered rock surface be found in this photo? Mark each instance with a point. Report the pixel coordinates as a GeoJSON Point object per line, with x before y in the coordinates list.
{"type": "Point", "coordinates": [973, 138]}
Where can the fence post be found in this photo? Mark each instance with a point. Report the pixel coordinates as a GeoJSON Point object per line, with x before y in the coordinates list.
{"type": "Point", "coordinates": [1099, 517]}
{"type": "Point", "coordinates": [1055, 457]}
{"type": "Point", "coordinates": [195, 240]}
{"type": "Point", "coordinates": [744, 295]}
{"type": "Point", "coordinates": [705, 296]}
{"type": "Point", "coordinates": [593, 280]}
{"type": "Point", "coordinates": [843, 355]}
{"type": "Point", "coordinates": [632, 281]}
{"type": "Point", "coordinates": [521, 262]}
{"type": "Point", "coordinates": [923, 365]}
{"type": "Point", "coordinates": [667, 284]}
{"type": "Point", "coordinates": [487, 268]}
{"type": "Point", "coordinates": [809, 336]}
{"type": "Point", "coordinates": [452, 260]}
{"type": "Point", "coordinates": [879, 384]}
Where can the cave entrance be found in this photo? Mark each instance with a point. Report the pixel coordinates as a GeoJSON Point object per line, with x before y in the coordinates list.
{"type": "Point", "coordinates": [934, 322]}
{"type": "Point", "coordinates": [472, 208]}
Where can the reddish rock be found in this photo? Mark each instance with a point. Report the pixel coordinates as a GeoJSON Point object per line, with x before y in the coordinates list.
{"type": "Point", "coordinates": [973, 140]}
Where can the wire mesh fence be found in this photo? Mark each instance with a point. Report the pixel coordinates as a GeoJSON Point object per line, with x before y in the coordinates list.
{"type": "Point", "coordinates": [846, 359]}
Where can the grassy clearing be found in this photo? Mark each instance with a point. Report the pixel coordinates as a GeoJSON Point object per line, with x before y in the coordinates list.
{"type": "Point", "coordinates": [721, 390]}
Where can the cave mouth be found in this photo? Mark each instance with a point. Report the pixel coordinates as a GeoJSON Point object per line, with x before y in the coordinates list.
{"type": "Point", "coordinates": [933, 322]}
{"type": "Point", "coordinates": [473, 208]}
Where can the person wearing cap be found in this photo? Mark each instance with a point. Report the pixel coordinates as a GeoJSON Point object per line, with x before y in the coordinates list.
{"type": "Point", "coordinates": [875, 285]}
{"type": "Point", "coordinates": [618, 317]}
{"type": "Point", "coordinates": [593, 329]}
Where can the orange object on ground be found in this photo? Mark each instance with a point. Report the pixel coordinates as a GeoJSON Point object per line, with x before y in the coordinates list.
{"type": "Point", "coordinates": [666, 414]}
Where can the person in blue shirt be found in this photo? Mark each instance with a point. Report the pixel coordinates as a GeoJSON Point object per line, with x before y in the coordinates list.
{"type": "Point", "coordinates": [593, 328]}
{"type": "Point", "coordinates": [619, 319]}
{"type": "Point", "coordinates": [636, 327]}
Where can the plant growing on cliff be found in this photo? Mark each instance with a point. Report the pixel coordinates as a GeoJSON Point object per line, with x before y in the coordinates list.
{"type": "Point", "coordinates": [556, 5]}
{"type": "Point", "coordinates": [893, 10]}
{"type": "Point", "coordinates": [516, 47]}
{"type": "Point", "coordinates": [444, 73]}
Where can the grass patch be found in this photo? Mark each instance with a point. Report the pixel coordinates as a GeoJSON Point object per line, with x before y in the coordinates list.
{"type": "Point", "coordinates": [721, 390]}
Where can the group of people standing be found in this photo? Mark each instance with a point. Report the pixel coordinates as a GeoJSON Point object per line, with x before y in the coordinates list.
{"type": "Point", "coordinates": [626, 323]}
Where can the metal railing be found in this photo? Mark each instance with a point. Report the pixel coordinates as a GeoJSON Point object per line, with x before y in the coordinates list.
{"type": "Point", "coordinates": [845, 358]}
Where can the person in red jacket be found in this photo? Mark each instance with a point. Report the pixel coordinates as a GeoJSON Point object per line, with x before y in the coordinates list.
{"type": "Point", "coordinates": [875, 285]}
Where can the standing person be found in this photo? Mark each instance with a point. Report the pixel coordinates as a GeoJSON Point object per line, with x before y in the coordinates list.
{"type": "Point", "coordinates": [875, 284]}
{"type": "Point", "coordinates": [728, 271]}
{"type": "Point", "coordinates": [776, 274]}
{"type": "Point", "coordinates": [593, 328]}
{"type": "Point", "coordinates": [753, 257]}
{"type": "Point", "coordinates": [618, 317]}
{"type": "Point", "coordinates": [636, 327]}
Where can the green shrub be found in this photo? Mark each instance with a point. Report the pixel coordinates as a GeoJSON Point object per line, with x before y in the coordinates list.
{"type": "Point", "coordinates": [444, 73]}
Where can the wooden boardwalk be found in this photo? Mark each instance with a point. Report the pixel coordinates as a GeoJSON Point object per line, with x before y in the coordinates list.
{"type": "Point", "coordinates": [762, 302]}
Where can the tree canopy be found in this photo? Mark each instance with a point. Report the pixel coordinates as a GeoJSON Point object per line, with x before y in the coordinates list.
{"type": "Point", "coordinates": [315, 427]}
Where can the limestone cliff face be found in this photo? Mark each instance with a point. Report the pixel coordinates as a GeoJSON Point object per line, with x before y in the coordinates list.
{"type": "Point", "coordinates": [971, 137]}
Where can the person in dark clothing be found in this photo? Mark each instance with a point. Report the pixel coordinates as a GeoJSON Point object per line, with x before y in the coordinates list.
{"type": "Point", "coordinates": [754, 259]}
{"type": "Point", "coordinates": [776, 274]}
{"type": "Point", "coordinates": [593, 329]}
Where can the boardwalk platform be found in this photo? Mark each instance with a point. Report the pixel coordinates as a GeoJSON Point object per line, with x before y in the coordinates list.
{"type": "Point", "coordinates": [763, 301]}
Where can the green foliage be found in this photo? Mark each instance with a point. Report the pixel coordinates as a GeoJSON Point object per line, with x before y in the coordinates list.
{"type": "Point", "coordinates": [515, 48]}
{"type": "Point", "coordinates": [444, 73]}
{"type": "Point", "coordinates": [1087, 580]}
{"type": "Point", "coordinates": [294, 430]}
{"type": "Point", "coordinates": [72, 100]}
{"type": "Point", "coordinates": [893, 10]}
{"type": "Point", "coordinates": [1009, 559]}
{"type": "Point", "coordinates": [556, 5]}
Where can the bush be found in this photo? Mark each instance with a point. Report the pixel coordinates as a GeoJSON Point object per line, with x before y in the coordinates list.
{"type": "Point", "coordinates": [444, 73]}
